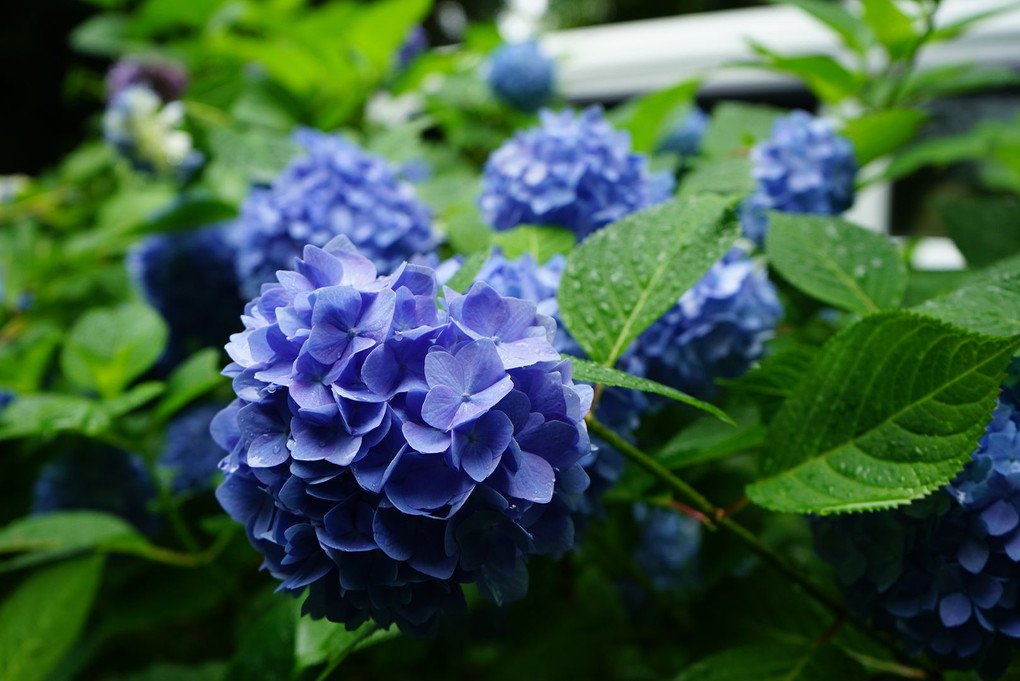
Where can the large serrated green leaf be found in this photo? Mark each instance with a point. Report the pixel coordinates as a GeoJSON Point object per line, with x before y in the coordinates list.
{"type": "Point", "coordinates": [730, 175]}
{"type": "Point", "coordinates": [989, 303]}
{"type": "Point", "coordinates": [837, 262]}
{"type": "Point", "coordinates": [624, 277]}
{"type": "Point", "coordinates": [646, 118]}
{"type": "Point", "coordinates": [41, 619]}
{"type": "Point", "coordinates": [891, 409]}
{"type": "Point", "coordinates": [777, 662]}
{"type": "Point", "coordinates": [583, 370]}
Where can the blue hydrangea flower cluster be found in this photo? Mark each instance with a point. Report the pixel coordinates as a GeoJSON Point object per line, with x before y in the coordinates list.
{"type": "Point", "coordinates": [98, 478]}
{"type": "Point", "coordinates": [189, 278]}
{"type": "Point", "coordinates": [189, 452]}
{"type": "Point", "coordinates": [167, 79]}
{"type": "Point", "coordinates": [6, 397]}
{"type": "Point", "coordinates": [805, 167]}
{"type": "Point", "coordinates": [573, 170]}
{"type": "Point", "coordinates": [668, 546]}
{"type": "Point", "coordinates": [521, 76]}
{"type": "Point", "coordinates": [685, 137]}
{"type": "Point", "coordinates": [148, 132]}
{"type": "Point", "coordinates": [334, 188]}
{"type": "Point", "coordinates": [943, 572]}
{"type": "Point", "coordinates": [717, 329]}
{"type": "Point", "coordinates": [415, 42]}
{"type": "Point", "coordinates": [385, 450]}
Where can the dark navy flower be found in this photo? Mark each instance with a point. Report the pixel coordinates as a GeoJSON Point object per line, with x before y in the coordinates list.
{"type": "Point", "coordinates": [167, 79]}
{"type": "Point", "coordinates": [334, 188]}
{"type": "Point", "coordinates": [684, 137]}
{"type": "Point", "coordinates": [148, 132]}
{"type": "Point", "coordinates": [189, 451]}
{"type": "Point", "coordinates": [97, 478]}
{"type": "Point", "coordinates": [572, 171]}
{"type": "Point", "coordinates": [667, 548]}
{"type": "Point", "coordinates": [718, 329]}
{"type": "Point", "coordinates": [415, 42]}
{"type": "Point", "coordinates": [189, 278]}
{"type": "Point", "coordinates": [943, 572]}
{"type": "Point", "coordinates": [384, 450]}
{"type": "Point", "coordinates": [6, 397]}
{"type": "Point", "coordinates": [521, 76]}
{"type": "Point", "coordinates": [805, 167]}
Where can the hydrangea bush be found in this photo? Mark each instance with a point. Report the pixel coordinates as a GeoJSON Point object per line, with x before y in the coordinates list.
{"type": "Point", "coordinates": [560, 395]}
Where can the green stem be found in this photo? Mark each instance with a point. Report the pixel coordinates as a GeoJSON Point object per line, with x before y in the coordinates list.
{"type": "Point", "coordinates": [762, 550]}
{"type": "Point", "coordinates": [331, 666]}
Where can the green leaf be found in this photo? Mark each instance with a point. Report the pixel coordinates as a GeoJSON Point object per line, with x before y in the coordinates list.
{"type": "Point", "coordinates": [957, 28]}
{"type": "Point", "coordinates": [719, 176]}
{"type": "Point", "coordinates": [266, 650]}
{"type": "Point", "coordinates": [108, 347]}
{"type": "Point", "coordinates": [25, 358]}
{"type": "Point", "coordinates": [855, 33]}
{"type": "Point", "coordinates": [823, 75]}
{"type": "Point", "coordinates": [66, 532]}
{"type": "Point", "coordinates": [957, 79]}
{"type": "Point", "coordinates": [985, 229]}
{"type": "Point", "coordinates": [48, 414]}
{"type": "Point", "coordinates": [894, 29]}
{"type": "Point", "coordinates": [42, 618]}
{"type": "Point", "coordinates": [134, 398]}
{"type": "Point", "coordinates": [210, 671]}
{"type": "Point", "coordinates": [583, 370]}
{"type": "Point", "coordinates": [777, 662]}
{"type": "Point", "coordinates": [882, 132]}
{"type": "Point", "coordinates": [191, 211]}
{"type": "Point", "coordinates": [989, 303]}
{"type": "Point", "coordinates": [256, 153]}
{"type": "Point", "coordinates": [541, 242]}
{"type": "Point", "coordinates": [836, 262]}
{"type": "Point", "coordinates": [622, 278]}
{"type": "Point", "coordinates": [774, 379]}
{"type": "Point", "coordinates": [708, 439]}
{"type": "Point", "coordinates": [647, 118]}
{"type": "Point", "coordinates": [978, 143]}
{"type": "Point", "coordinates": [736, 126]}
{"type": "Point", "coordinates": [196, 376]}
{"type": "Point", "coordinates": [890, 411]}
{"type": "Point", "coordinates": [319, 641]}
{"type": "Point", "coordinates": [465, 276]}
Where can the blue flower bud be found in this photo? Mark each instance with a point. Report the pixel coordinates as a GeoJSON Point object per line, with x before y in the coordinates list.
{"type": "Point", "coordinates": [521, 76]}
{"type": "Point", "coordinates": [189, 278]}
{"type": "Point", "coordinates": [97, 478]}
{"type": "Point", "coordinates": [167, 79]}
